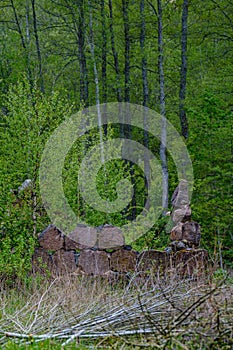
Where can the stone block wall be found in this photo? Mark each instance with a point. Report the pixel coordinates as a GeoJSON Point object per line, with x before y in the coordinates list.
{"type": "Point", "coordinates": [101, 251]}
{"type": "Point", "coordinates": [61, 255]}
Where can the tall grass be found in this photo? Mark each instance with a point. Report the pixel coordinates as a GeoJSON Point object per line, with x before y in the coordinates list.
{"type": "Point", "coordinates": [89, 312]}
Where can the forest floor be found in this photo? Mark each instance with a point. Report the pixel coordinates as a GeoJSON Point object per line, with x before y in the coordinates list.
{"type": "Point", "coordinates": [74, 312]}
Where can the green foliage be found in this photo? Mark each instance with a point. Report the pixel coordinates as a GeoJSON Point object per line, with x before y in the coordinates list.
{"type": "Point", "coordinates": [28, 117]}
{"type": "Point", "coordinates": [29, 120]}
{"type": "Point", "coordinates": [211, 150]}
{"type": "Point", "coordinates": [48, 345]}
{"type": "Point", "coordinates": [156, 238]}
{"type": "Point", "coordinates": [106, 182]}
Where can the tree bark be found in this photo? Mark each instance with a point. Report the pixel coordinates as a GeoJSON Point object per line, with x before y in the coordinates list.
{"type": "Point", "coordinates": [163, 155]}
{"type": "Point", "coordinates": [24, 45]}
{"type": "Point", "coordinates": [183, 70]}
{"type": "Point", "coordinates": [125, 5]}
{"type": "Point", "coordinates": [127, 130]}
{"type": "Point", "coordinates": [145, 94]}
{"type": "Point", "coordinates": [114, 52]}
{"type": "Point", "coordinates": [104, 53]}
{"type": "Point", "coordinates": [104, 65]}
{"type": "Point", "coordinates": [144, 60]}
{"type": "Point", "coordinates": [41, 80]}
{"type": "Point", "coordinates": [92, 47]}
{"type": "Point", "coordinates": [81, 54]}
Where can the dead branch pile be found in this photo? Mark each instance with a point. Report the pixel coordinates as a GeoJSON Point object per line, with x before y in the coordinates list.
{"type": "Point", "coordinates": [70, 312]}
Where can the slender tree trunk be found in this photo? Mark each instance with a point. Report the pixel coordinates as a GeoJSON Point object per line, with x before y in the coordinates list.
{"type": "Point", "coordinates": [144, 60]}
{"type": "Point", "coordinates": [163, 155]}
{"type": "Point", "coordinates": [24, 44]}
{"type": "Point", "coordinates": [81, 54]}
{"type": "Point", "coordinates": [104, 53]}
{"type": "Point", "coordinates": [125, 8]}
{"type": "Point", "coordinates": [125, 5]}
{"type": "Point", "coordinates": [114, 52]}
{"type": "Point", "coordinates": [145, 91]}
{"type": "Point", "coordinates": [127, 129]}
{"type": "Point", "coordinates": [183, 71]}
{"type": "Point", "coordinates": [104, 65]}
{"type": "Point", "coordinates": [41, 80]}
{"type": "Point", "coordinates": [92, 47]}
{"type": "Point", "coordinates": [28, 29]}
{"type": "Point", "coordinates": [116, 66]}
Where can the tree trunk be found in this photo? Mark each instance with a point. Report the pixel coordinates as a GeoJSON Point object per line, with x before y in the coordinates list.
{"type": "Point", "coordinates": [145, 93]}
{"type": "Point", "coordinates": [183, 71]}
{"type": "Point", "coordinates": [24, 45]}
{"type": "Point", "coordinates": [104, 53]}
{"type": "Point", "coordinates": [41, 80]}
{"type": "Point", "coordinates": [163, 155]}
{"type": "Point", "coordinates": [81, 54]}
{"type": "Point", "coordinates": [125, 5]}
{"type": "Point", "coordinates": [104, 66]}
{"type": "Point", "coordinates": [144, 60]}
{"type": "Point", "coordinates": [114, 52]}
{"type": "Point", "coordinates": [92, 47]}
{"type": "Point", "coordinates": [127, 129]}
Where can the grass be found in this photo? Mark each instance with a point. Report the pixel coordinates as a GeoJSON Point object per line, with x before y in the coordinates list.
{"type": "Point", "coordinates": [79, 312]}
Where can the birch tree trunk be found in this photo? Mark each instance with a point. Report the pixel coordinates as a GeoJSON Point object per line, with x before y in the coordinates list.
{"type": "Point", "coordinates": [183, 70]}
{"type": "Point", "coordinates": [163, 140]}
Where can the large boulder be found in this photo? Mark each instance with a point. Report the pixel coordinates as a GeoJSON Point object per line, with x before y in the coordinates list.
{"type": "Point", "coordinates": [177, 232]}
{"type": "Point", "coordinates": [180, 196]}
{"type": "Point", "coordinates": [59, 263]}
{"type": "Point", "coordinates": [51, 239]}
{"type": "Point", "coordinates": [123, 260]}
{"type": "Point", "coordinates": [81, 238]}
{"type": "Point", "coordinates": [93, 262]}
{"type": "Point", "coordinates": [191, 232]}
{"type": "Point", "coordinates": [192, 263]}
{"type": "Point", "coordinates": [110, 237]}
{"type": "Point", "coordinates": [182, 214]}
{"type": "Point", "coordinates": [42, 261]}
{"type": "Point", "coordinates": [63, 262]}
{"type": "Point", "coordinates": [188, 231]}
{"type": "Point", "coordinates": [152, 261]}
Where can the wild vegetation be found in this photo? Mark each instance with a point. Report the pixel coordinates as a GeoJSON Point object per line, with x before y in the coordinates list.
{"type": "Point", "coordinates": [86, 312]}
{"type": "Point", "coordinates": [58, 57]}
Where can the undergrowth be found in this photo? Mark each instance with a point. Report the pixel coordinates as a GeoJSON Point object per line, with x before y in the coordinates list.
{"type": "Point", "coordinates": [80, 312]}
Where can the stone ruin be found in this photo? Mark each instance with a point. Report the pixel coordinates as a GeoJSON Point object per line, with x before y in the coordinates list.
{"type": "Point", "coordinates": [185, 234]}
{"type": "Point", "coordinates": [102, 251]}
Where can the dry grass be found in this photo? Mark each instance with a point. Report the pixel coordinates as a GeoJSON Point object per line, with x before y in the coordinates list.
{"type": "Point", "coordinates": [153, 314]}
